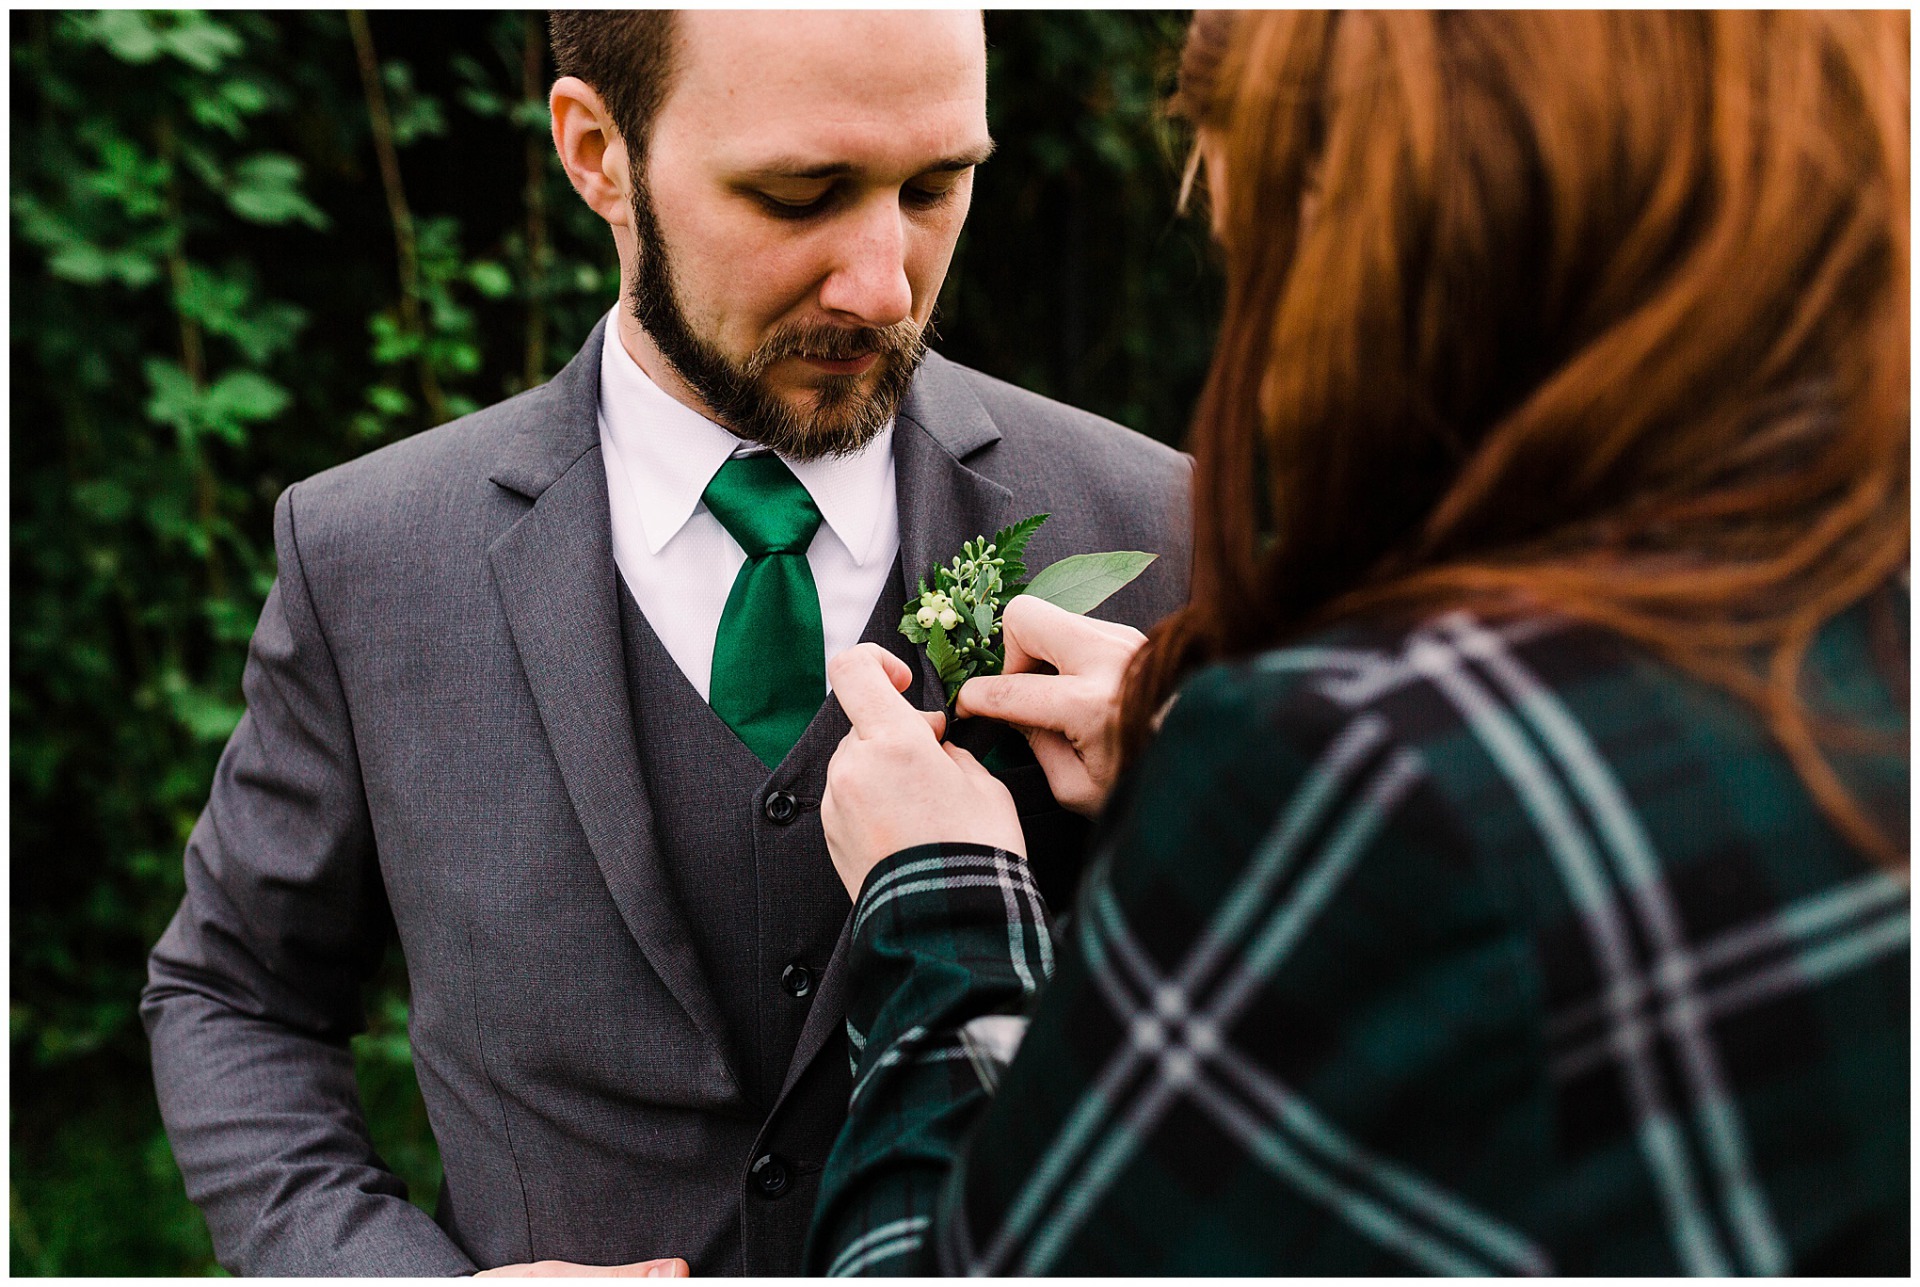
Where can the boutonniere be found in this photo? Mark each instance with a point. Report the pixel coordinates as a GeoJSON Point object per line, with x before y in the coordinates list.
{"type": "Point", "coordinates": [957, 620]}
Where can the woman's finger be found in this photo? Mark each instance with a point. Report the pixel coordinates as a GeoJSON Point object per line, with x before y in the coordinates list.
{"type": "Point", "coordinates": [1069, 777]}
{"type": "Point", "coordinates": [1031, 701]}
{"type": "Point", "coordinates": [1037, 631]}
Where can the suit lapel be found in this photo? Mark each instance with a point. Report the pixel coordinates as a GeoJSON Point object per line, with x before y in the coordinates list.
{"type": "Point", "coordinates": [943, 504]}
{"type": "Point", "coordinates": [555, 573]}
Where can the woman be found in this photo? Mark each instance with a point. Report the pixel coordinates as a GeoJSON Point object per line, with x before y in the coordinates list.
{"type": "Point", "coordinates": [1515, 881]}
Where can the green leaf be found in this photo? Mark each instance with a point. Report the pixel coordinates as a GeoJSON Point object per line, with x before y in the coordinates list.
{"type": "Point", "coordinates": [983, 620]}
{"type": "Point", "coordinates": [246, 96]}
{"type": "Point", "coordinates": [532, 113]}
{"type": "Point", "coordinates": [271, 327]}
{"type": "Point", "coordinates": [201, 42]}
{"type": "Point", "coordinates": [490, 279]}
{"type": "Point", "coordinates": [78, 261]}
{"type": "Point", "coordinates": [174, 400]}
{"type": "Point", "coordinates": [1084, 581]}
{"type": "Point", "coordinates": [390, 342]}
{"type": "Point", "coordinates": [128, 34]}
{"type": "Point", "coordinates": [910, 627]}
{"type": "Point", "coordinates": [205, 717]}
{"type": "Point", "coordinates": [484, 102]}
{"type": "Point", "coordinates": [246, 396]}
{"type": "Point", "coordinates": [266, 189]}
{"type": "Point", "coordinates": [389, 401]}
{"type": "Point", "coordinates": [1010, 542]}
{"type": "Point", "coordinates": [211, 299]}
{"type": "Point", "coordinates": [945, 660]}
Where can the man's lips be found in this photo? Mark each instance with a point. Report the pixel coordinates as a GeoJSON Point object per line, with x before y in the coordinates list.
{"type": "Point", "coordinates": [842, 366]}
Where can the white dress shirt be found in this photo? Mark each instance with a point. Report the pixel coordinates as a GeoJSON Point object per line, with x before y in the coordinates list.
{"type": "Point", "coordinates": [678, 560]}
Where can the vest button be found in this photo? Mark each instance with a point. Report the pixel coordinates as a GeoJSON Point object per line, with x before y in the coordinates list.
{"type": "Point", "coordinates": [770, 1175]}
{"type": "Point", "coordinates": [781, 807]}
{"type": "Point", "coordinates": [797, 980]}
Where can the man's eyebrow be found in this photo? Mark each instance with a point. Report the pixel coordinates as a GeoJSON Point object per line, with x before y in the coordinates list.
{"type": "Point", "coordinates": [796, 168]}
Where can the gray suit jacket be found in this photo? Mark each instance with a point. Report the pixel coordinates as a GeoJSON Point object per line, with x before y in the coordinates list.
{"type": "Point", "coordinates": [439, 742]}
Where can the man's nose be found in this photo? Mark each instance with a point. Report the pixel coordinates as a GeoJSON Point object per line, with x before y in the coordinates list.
{"type": "Point", "coordinates": [868, 284]}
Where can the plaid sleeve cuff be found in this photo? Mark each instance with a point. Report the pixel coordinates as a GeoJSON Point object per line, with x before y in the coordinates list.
{"type": "Point", "coordinates": [944, 887]}
{"type": "Point", "coordinates": [943, 934]}
{"type": "Point", "coordinates": [944, 937]}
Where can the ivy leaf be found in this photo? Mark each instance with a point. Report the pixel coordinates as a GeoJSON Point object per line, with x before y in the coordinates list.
{"type": "Point", "coordinates": [246, 396]}
{"type": "Point", "coordinates": [174, 400]}
{"type": "Point", "coordinates": [492, 280]}
{"type": "Point", "coordinates": [1083, 582]}
{"type": "Point", "coordinates": [214, 301]}
{"type": "Point", "coordinates": [391, 343]}
{"type": "Point", "coordinates": [531, 113]}
{"type": "Point", "coordinates": [246, 96]}
{"type": "Point", "coordinates": [269, 328]}
{"type": "Point", "coordinates": [128, 34]}
{"type": "Point", "coordinates": [265, 188]}
{"type": "Point", "coordinates": [414, 115]}
{"type": "Point", "coordinates": [205, 717]}
{"type": "Point", "coordinates": [228, 109]}
{"type": "Point", "coordinates": [389, 401]}
{"type": "Point", "coordinates": [79, 261]}
{"type": "Point", "coordinates": [201, 43]}
{"type": "Point", "coordinates": [483, 102]}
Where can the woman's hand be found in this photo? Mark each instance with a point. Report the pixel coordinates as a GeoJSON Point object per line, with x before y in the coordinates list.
{"type": "Point", "coordinates": [1071, 719]}
{"type": "Point", "coordinates": [892, 785]}
{"type": "Point", "coordinates": [672, 1267]}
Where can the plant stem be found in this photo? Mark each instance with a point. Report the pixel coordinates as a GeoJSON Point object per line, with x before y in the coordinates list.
{"type": "Point", "coordinates": [397, 210]}
{"type": "Point", "coordinates": [193, 356]}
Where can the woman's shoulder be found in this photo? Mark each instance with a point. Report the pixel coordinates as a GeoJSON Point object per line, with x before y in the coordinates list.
{"type": "Point", "coordinates": [1545, 706]}
{"type": "Point", "coordinates": [1561, 767]}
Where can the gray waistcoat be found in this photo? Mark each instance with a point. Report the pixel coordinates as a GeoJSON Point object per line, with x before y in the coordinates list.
{"type": "Point", "coordinates": [761, 902]}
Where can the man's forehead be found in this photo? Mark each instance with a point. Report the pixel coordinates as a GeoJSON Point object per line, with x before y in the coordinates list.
{"type": "Point", "coordinates": [807, 86]}
{"type": "Point", "coordinates": [768, 36]}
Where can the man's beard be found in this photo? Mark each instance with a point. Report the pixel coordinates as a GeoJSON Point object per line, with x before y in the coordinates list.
{"type": "Point", "coordinates": [843, 418]}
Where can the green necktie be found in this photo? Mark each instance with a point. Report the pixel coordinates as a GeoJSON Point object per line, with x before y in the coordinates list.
{"type": "Point", "coordinates": [769, 662]}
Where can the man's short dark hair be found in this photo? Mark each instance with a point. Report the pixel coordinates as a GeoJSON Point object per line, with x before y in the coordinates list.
{"type": "Point", "coordinates": [625, 54]}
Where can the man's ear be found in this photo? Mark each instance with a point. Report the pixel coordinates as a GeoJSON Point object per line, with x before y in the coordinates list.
{"type": "Point", "coordinates": [591, 149]}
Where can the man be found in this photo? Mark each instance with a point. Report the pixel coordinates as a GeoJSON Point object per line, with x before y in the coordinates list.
{"type": "Point", "coordinates": [543, 689]}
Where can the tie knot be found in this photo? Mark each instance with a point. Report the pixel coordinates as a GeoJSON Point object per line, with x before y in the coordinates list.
{"type": "Point", "coordinates": [763, 506]}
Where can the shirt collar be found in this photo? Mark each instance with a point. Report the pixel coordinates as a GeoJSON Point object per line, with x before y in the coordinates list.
{"type": "Point", "coordinates": [669, 452]}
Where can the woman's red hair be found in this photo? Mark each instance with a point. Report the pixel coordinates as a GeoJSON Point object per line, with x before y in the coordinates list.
{"type": "Point", "coordinates": [1602, 314]}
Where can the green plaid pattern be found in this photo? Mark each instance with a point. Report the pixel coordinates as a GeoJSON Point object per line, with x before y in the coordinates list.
{"type": "Point", "coordinates": [1472, 949]}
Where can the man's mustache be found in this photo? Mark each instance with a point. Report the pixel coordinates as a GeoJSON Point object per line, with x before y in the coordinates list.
{"type": "Point", "coordinates": [837, 343]}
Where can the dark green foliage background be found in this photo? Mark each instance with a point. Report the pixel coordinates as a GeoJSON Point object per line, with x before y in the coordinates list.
{"type": "Point", "coordinates": [216, 291]}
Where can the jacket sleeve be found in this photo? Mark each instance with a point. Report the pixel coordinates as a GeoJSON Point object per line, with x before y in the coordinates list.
{"type": "Point", "coordinates": [254, 990]}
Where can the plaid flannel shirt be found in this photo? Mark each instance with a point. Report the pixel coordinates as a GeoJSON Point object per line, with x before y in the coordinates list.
{"type": "Point", "coordinates": [1469, 949]}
